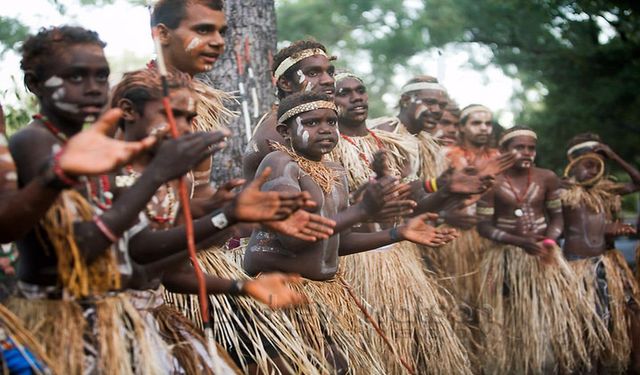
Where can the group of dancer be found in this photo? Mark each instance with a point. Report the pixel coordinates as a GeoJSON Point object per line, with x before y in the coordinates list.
{"type": "Point", "coordinates": [423, 243]}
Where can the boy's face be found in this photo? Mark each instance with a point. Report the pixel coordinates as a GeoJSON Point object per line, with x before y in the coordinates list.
{"type": "Point", "coordinates": [76, 84]}
{"type": "Point", "coordinates": [154, 117]}
{"type": "Point", "coordinates": [447, 130]}
{"type": "Point", "coordinates": [352, 99]}
{"type": "Point", "coordinates": [314, 73]}
{"type": "Point", "coordinates": [478, 127]}
{"type": "Point", "coordinates": [586, 169]}
{"type": "Point", "coordinates": [424, 109]}
{"type": "Point", "coordinates": [314, 133]}
{"type": "Point", "coordinates": [197, 43]}
{"type": "Point", "coordinates": [524, 148]}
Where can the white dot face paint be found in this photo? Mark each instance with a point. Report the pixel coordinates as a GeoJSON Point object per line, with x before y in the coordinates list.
{"type": "Point", "coordinates": [67, 107]}
{"type": "Point", "coordinates": [301, 76]}
{"type": "Point", "coordinates": [305, 138]}
{"type": "Point", "coordinates": [58, 94]}
{"type": "Point", "coordinates": [53, 81]}
{"type": "Point", "coordinates": [195, 42]}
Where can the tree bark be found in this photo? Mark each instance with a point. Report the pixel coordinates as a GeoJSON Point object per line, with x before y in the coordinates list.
{"type": "Point", "coordinates": [255, 19]}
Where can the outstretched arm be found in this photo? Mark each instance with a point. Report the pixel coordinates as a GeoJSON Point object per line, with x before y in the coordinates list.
{"type": "Point", "coordinates": [627, 188]}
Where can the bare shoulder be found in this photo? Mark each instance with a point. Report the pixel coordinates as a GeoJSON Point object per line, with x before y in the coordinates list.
{"type": "Point", "coordinates": [546, 174]}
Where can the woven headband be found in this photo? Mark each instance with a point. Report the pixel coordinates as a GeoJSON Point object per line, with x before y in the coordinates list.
{"type": "Point", "coordinates": [518, 133]}
{"type": "Point", "coordinates": [293, 59]}
{"type": "Point", "coordinates": [472, 109]}
{"type": "Point", "coordinates": [306, 107]}
{"type": "Point", "coordinates": [422, 86]}
{"type": "Point", "coordinates": [579, 146]}
{"type": "Point", "coordinates": [344, 75]}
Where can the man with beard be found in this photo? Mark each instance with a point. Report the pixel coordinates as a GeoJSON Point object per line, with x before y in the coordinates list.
{"type": "Point", "coordinates": [405, 300]}
{"type": "Point", "coordinates": [303, 66]}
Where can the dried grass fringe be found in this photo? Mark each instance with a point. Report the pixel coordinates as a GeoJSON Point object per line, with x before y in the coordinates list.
{"type": "Point", "coordinates": [412, 310]}
{"type": "Point", "coordinates": [620, 279]}
{"type": "Point", "coordinates": [78, 279]}
{"type": "Point", "coordinates": [333, 317]}
{"type": "Point", "coordinates": [21, 336]}
{"type": "Point", "coordinates": [601, 198]}
{"type": "Point", "coordinates": [212, 113]}
{"type": "Point", "coordinates": [544, 324]}
{"type": "Point", "coordinates": [257, 320]}
{"type": "Point", "coordinates": [126, 344]}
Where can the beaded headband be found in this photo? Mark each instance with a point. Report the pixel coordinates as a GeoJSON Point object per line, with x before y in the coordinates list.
{"type": "Point", "coordinates": [579, 146]}
{"type": "Point", "coordinates": [472, 109]}
{"type": "Point", "coordinates": [518, 133]}
{"type": "Point", "coordinates": [422, 86]}
{"type": "Point", "coordinates": [293, 59]}
{"type": "Point", "coordinates": [306, 107]}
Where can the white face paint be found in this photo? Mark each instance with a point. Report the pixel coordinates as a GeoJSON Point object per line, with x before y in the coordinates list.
{"type": "Point", "coordinates": [90, 119]}
{"type": "Point", "coordinates": [301, 76]}
{"type": "Point", "coordinates": [58, 94]}
{"type": "Point", "coordinates": [305, 138]}
{"type": "Point", "coordinates": [308, 87]}
{"type": "Point", "coordinates": [195, 42]}
{"type": "Point", "coordinates": [53, 81]}
{"type": "Point", "coordinates": [67, 107]}
{"type": "Point", "coordinates": [300, 128]}
{"type": "Point", "coordinates": [191, 105]}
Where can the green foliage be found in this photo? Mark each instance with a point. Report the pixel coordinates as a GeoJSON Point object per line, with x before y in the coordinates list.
{"type": "Point", "coordinates": [12, 31]}
{"type": "Point", "coordinates": [581, 58]}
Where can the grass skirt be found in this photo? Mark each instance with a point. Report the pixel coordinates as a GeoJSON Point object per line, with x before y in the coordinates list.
{"type": "Point", "coordinates": [110, 330]}
{"type": "Point", "coordinates": [533, 317]}
{"type": "Point", "coordinates": [333, 318]}
{"type": "Point", "coordinates": [620, 289]}
{"type": "Point", "coordinates": [411, 309]}
{"type": "Point", "coordinates": [246, 327]}
{"type": "Point", "coordinates": [14, 329]}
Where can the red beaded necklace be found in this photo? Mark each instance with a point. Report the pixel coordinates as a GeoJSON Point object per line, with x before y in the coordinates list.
{"type": "Point", "coordinates": [100, 191]}
{"type": "Point", "coordinates": [52, 128]}
{"type": "Point", "coordinates": [519, 198]}
{"type": "Point", "coordinates": [360, 153]}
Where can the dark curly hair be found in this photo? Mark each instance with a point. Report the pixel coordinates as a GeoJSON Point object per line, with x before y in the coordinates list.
{"type": "Point", "coordinates": [298, 98]}
{"type": "Point", "coordinates": [38, 49]}
{"type": "Point", "coordinates": [171, 12]}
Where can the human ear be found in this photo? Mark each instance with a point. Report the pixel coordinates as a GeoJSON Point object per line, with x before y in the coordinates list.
{"type": "Point", "coordinates": [128, 111]}
{"type": "Point", "coordinates": [163, 32]}
{"type": "Point", "coordinates": [285, 85]}
{"type": "Point", "coordinates": [283, 130]}
{"type": "Point", "coordinates": [32, 83]}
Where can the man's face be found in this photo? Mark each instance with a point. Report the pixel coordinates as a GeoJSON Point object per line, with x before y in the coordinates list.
{"type": "Point", "coordinates": [586, 169]}
{"type": "Point", "coordinates": [353, 101]}
{"type": "Point", "coordinates": [478, 128]}
{"type": "Point", "coordinates": [447, 130]}
{"type": "Point", "coordinates": [524, 148]}
{"type": "Point", "coordinates": [424, 109]}
{"type": "Point", "coordinates": [197, 43]}
{"type": "Point", "coordinates": [76, 86]}
{"type": "Point", "coordinates": [314, 133]}
{"type": "Point", "coordinates": [315, 73]}
{"type": "Point", "coordinates": [154, 116]}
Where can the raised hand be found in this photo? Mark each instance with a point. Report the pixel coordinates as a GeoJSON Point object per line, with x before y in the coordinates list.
{"type": "Point", "coordinates": [304, 226]}
{"type": "Point", "coordinates": [273, 289]}
{"type": "Point", "coordinates": [379, 164]}
{"type": "Point", "coordinates": [495, 165]}
{"type": "Point", "coordinates": [253, 205]}
{"type": "Point", "coordinates": [465, 181]}
{"type": "Point", "coordinates": [93, 151]}
{"type": "Point", "coordinates": [176, 157]}
{"type": "Point", "coordinates": [418, 230]}
{"type": "Point", "coordinates": [605, 150]}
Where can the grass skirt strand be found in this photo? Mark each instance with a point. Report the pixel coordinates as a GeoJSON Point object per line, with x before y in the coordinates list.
{"type": "Point", "coordinates": [124, 343]}
{"type": "Point", "coordinates": [412, 310]}
{"type": "Point", "coordinates": [21, 336]}
{"type": "Point", "coordinates": [332, 317]}
{"type": "Point", "coordinates": [621, 288]}
{"type": "Point", "coordinates": [236, 317]}
{"type": "Point", "coordinates": [533, 317]}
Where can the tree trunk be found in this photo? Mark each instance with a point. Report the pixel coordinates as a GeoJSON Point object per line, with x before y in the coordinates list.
{"type": "Point", "coordinates": [255, 20]}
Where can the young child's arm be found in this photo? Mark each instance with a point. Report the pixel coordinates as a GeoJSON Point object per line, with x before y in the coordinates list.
{"type": "Point", "coordinates": [627, 188]}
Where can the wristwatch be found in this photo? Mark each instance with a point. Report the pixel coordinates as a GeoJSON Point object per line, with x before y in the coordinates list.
{"type": "Point", "coordinates": [220, 220]}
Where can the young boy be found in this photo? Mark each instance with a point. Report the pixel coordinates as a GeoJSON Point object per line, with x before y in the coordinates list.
{"type": "Point", "coordinates": [532, 316]}
{"type": "Point", "coordinates": [69, 272]}
{"type": "Point", "coordinates": [308, 123]}
{"type": "Point", "coordinates": [589, 205]}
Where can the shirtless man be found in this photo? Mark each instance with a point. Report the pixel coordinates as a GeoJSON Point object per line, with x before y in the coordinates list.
{"type": "Point", "coordinates": [526, 286]}
{"type": "Point", "coordinates": [308, 123]}
{"type": "Point", "coordinates": [303, 66]}
{"type": "Point", "coordinates": [589, 204]}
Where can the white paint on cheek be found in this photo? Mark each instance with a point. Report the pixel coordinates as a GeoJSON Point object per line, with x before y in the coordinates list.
{"type": "Point", "coordinates": [308, 87]}
{"type": "Point", "coordinates": [67, 107]}
{"type": "Point", "coordinates": [58, 94]}
{"type": "Point", "coordinates": [191, 105]}
{"type": "Point", "coordinates": [53, 81]}
{"type": "Point", "coordinates": [300, 128]}
{"type": "Point", "coordinates": [90, 119]}
{"type": "Point", "coordinates": [305, 138]}
{"type": "Point", "coordinates": [195, 42]}
{"type": "Point", "coordinates": [301, 76]}
{"type": "Point", "coordinates": [439, 133]}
